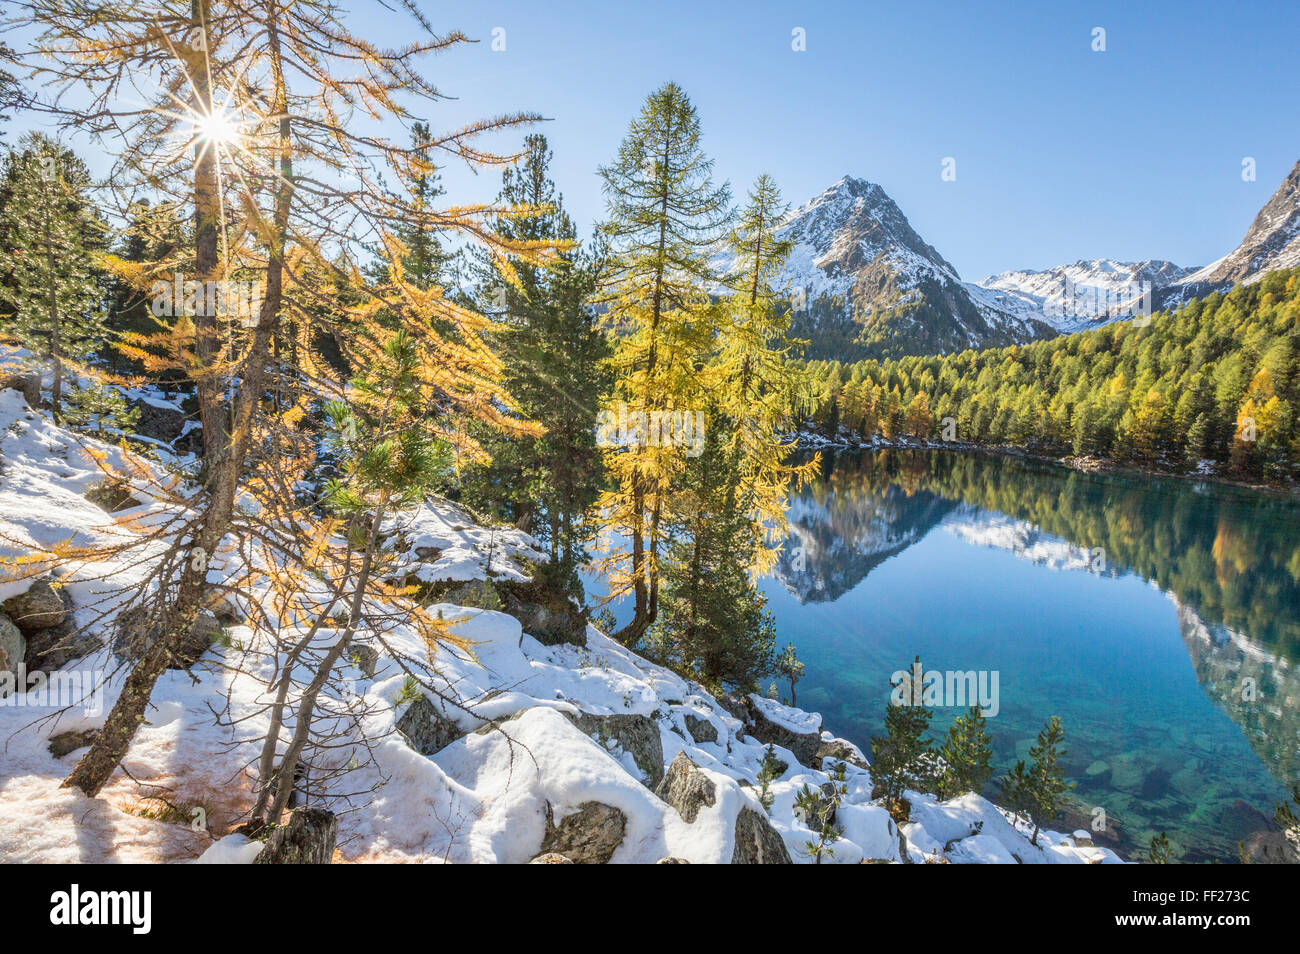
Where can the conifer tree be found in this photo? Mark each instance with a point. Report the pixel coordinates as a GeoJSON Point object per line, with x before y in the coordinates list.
{"type": "Point", "coordinates": [903, 756]}
{"type": "Point", "coordinates": [51, 233]}
{"type": "Point", "coordinates": [1041, 789]}
{"type": "Point", "coordinates": [664, 214]}
{"type": "Point", "coordinates": [967, 754]}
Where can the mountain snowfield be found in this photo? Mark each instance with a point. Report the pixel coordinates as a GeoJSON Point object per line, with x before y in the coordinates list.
{"type": "Point", "coordinates": [575, 727]}
{"type": "Point", "coordinates": [857, 259]}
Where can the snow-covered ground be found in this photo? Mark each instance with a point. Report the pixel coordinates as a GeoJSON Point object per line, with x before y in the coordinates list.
{"type": "Point", "coordinates": [486, 796]}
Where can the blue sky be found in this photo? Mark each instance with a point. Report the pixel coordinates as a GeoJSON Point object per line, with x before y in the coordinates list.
{"type": "Point", "coordinates": [1061, 152]}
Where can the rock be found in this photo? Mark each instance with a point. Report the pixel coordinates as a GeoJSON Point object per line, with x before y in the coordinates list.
{"type": "Point", "coordinates": [701, 730]}
{"type": "Point", "coordinates": [550, 858]}
{"type": "Point", "coordinates": [589, 836]}
{"type": "Point", "coordinates": [135, 632]}
{"type": "Point", "coordinates": [638, 735]}
{"type": "Point", "coordinates": [477, 594]}
{"type": "Point", "coordinates": [13, 646]}
{"type": "Point", "coordinates": [840, 751]}
{"type": "Point", "coordinates": [308, 839]}
{"type": "Point", "coordinates": [41, 607]}
{"type": "Point", "coordinates": [757, 842]}
{"type": "Point", "coordinates": [366, 658]}
{"type": "Point", "coordinates": [821, 809]}
{"type": "Point", "coordinates": [548, 619]}
{"type": "Point", "coordinates": [29, 384]}
{"type": "Point", "coordinates": [161, 423]}
{"type": "Point", "coordinates": [66, 742]}
{"type": "Point", "coordinates": [758, 726]}
{"type": "Point", "coordinates": [672, 861]}
{"type": "Point", "coordinates": [112, 496]}
{"type": "Point", "coordinates": [1270, 848]}
{"type": "Point", "coordinates": [425, 730]}
{"type": "Point", "coordinates": [686, 788]}
{"type": "Point", "coordinates": [50, 649]}
{"type": "Point", "coordinates": [1096, 768]}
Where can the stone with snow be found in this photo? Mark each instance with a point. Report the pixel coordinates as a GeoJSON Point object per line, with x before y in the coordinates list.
{"type": "Point", "coordinates": [589, 836]}
{"type": "Point", "coordinates": [307, 839]}
{"type": "Point", "coordinates": [686, 788]}
{"type": "Point", "coordinates": [637, 735]}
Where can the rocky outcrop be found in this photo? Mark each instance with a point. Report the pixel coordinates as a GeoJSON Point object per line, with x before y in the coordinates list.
{"type": "Point", "coordinates": [308, 839]}
{"type": "Point", "coordinates": [13, 646]}
{"type": "Point", "coordinates": [43, 606]}
{"type": "Point", "coordinates": [548, 619]}
{"type": "Point", "coordinates": [759, 727]}
{"type": "Point", "coordinates": [757, 842]}
{"type": "Point", "coordinates": [29, 384]}
{"type": "Point", "coordinates": [686, 788]}
{"type": "Point", "coordinates": [425, 730]}
{"type": "Point", "coordinates": [701, 730]}
{"type": "Point", "coordinates": [551, 858]}
{"type": "Point", "coordinates": [67, 742]}
{"type": "Point", "coordinates": [589, 836]}
{"type": "Point", "coordinates": [136, 632]}
{"type": "Point", "coordinates": [840, 751]}
{"type": "Point", "coordinates": [637, 735]}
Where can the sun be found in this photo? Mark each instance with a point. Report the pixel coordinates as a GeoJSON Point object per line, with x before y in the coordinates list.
{"type": "Point", "coordinates": [218, 127]}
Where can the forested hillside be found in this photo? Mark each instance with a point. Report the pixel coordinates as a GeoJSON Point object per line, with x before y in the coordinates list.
{"type": "Point", "coordinates": [1215, 381]}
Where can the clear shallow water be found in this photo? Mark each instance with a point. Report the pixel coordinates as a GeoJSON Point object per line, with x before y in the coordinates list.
{"type": "Point", "coordinates": [1137, 610]}
{"type": "Point", "coordinates": [1140, 611]}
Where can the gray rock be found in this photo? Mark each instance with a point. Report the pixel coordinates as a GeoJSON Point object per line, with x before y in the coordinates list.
{"type": "Point", "coordinates": [41, 607]}
{"type": "Point", "coordinates": [759, 727]}
{"type": "Point", "coordinates": [13, 646]}
{"type": "Point", "coordinates": [686, 788]}
{"type": "Point", "coordinates": [589, 836]}
{"type": "Point", "coordinates": [550, 623]}
{"type": "Point", "coordinates": [425, 729]}
{"type": "Point", "coordinates": [308, 839]}
{"type": "Point", "coordinates": [112, 497]}
{"type": "Point", "coordinates": [135, 632]}
{"type": "Point", "coordinates": [841, 751]}
{"type": "Point", "coordinates": [637, 734]}
{"type": "Point", "coordinates": [757, 842]}
{"type": "Point", "coordinates": [551, 858]}
{"type": "Point", "coordinates": [66, 742]}
{"type": "Point", "coordinates": [701, 730]}
{"type": "Point", "coordinates": [478, 594]}
{"type": "Point", "coordinates": [49, 649]}
{"type": "Point", "coordinates": [672, 861]}
{"type": "Point", "coordinates": [29, 384]}
{"type": "Point", "coordinates": [366, 658]}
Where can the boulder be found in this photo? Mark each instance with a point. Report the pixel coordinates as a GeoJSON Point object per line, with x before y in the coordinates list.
{"type": "Point", "coordinates": [308, 839]}
{"type": "Point", "coordinates": [13, 645]}
{"type": "Point", "coordinates": [29, 384]}
{"type": "Point", "coordinates": [135, 632]}
{"type": "Point", "coordinates": [112, 496]}
{"type": "Point", "coordinates": [67, 742]}
{"type": "Point", "coordinates": [551, 858]}
{"type": "Point", "coordinates": [638, 735]}
{"type": "Point", "coordinates": [589, 836]}
{"type": "Point", "coordinates": [686, 788]}
{"type": "Point", "coordinates": [477, 594]}
{"type": "Point", "coordinates": [548, 619]}
{"type": "Point", "coordinates": [759, 727]}
{"type": "Point", "coordinates": [672, 861]}
{"type": "Point", "coordinates": [701, 730]}
{"type": "Point", "coordinates": [757, 842]}
{"type": "Point", "coordinates": [41, 607]}
{"type": "Point", "coordinates": [840, 751]}
{"type": "Point", "coordinates": [49, 649]}
{"type": "Point", "coordinates": [425, 730]}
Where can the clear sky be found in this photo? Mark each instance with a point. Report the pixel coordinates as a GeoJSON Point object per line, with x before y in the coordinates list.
{"type": "Point", "coordinates": [1061, 152]}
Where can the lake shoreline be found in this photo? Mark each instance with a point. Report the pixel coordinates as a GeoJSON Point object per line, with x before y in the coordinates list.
{"type": "Point", "coordinates": [1088, 464]}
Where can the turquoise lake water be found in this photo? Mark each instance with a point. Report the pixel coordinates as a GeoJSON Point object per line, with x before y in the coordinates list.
{"type": "Point", "coordinates": [1159, 619]}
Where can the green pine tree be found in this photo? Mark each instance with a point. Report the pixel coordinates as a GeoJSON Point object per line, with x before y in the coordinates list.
{"type": "Point", "coordinates": [50, 232]}
{"type": "Point", "coordinates": [967, 754]}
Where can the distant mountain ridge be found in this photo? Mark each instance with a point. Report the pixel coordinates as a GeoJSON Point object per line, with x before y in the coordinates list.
{"type": "Point", "coordinates": [865, 284]}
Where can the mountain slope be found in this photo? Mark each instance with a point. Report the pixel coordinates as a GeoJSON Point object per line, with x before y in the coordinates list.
{"type": "Point", "coordinates": [865, 284]}
{"type": "Point", "coordinates": [1082, 294]}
